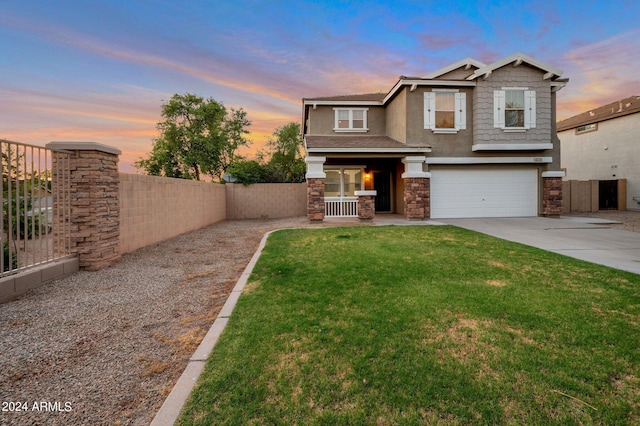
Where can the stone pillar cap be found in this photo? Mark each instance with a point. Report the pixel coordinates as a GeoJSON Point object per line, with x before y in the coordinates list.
{"type": "Point", "coordinates": [83, 146]}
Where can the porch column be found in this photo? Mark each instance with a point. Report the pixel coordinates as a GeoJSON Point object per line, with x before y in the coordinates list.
{"type": "Point", "coordinates": [416, 189]}
{"type": "Point", "coordinates": [552, 193]}
{"type": "Point", "coordinates": [366, 204]}
{"type": "Point", "coordinates": [315, 187]}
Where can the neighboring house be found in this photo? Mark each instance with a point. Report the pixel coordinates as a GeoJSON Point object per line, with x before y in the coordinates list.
{"type": "Point", "coordinates": [468, 140]}
{"type": "Point", "coordinates": [603, 145]}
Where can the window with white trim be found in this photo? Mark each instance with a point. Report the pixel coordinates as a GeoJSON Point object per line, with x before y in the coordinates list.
{"type": "Point", "coordinates": [350, 120]}
{"type": "Point", "coordinates": [343, 181]}
{"type": "Point", "coordinates": [445, 111]}
{"type": "Point", "coordinates": [514, 108]}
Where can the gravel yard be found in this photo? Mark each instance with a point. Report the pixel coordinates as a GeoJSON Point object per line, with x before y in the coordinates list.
{"type": "Point", "coordinates": [630, 219]}
{"type": "Point", "coordinates": [107, 347]}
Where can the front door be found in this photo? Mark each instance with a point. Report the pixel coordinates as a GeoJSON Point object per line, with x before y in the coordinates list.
{"type": "Point", "coordinates": [382, 184]}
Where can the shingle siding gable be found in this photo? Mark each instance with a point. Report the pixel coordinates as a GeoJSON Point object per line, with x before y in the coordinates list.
{"type": "Point", "coordinates": [484, 131]}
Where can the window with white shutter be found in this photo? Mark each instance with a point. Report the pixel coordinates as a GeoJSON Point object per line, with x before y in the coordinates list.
{"type": "Point", "coordinates": [514, 109]}
{"type": "Point", "coordinates": [445, 111]}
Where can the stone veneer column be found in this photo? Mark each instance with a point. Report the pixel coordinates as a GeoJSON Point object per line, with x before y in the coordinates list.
{"type": "Point", "coordinates": [552, 193]}
{"type": "Point", "coordinates": [366, 204]}
{"type": "Point", "coordinates": [417, 204]}
{"type": "Point", "coordinates": [315, 188]}
{"type": "Point", "coordinates": [95, 207]}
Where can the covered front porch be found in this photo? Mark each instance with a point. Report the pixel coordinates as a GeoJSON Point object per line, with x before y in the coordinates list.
{"type": "Point", "coordinates": [364, 186]}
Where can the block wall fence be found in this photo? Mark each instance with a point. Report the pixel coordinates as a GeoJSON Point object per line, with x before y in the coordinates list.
{"type": "Point", "coordinates": [112, 213]}
{"type": "Point", "coordinates": [153, 209]}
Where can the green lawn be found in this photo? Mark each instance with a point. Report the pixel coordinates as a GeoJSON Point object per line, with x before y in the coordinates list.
{"type": "Point", "coordinates": [423, 325]}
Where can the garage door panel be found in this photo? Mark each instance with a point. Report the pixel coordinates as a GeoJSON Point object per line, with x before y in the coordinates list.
{"type": "Point", "coordinates": [460, 193]}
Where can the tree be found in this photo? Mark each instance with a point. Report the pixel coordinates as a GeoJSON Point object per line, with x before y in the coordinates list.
{"type": "Point", "coordinates": [286, 149]}
{"type": "Point", "coordinates": [248, 172]}
{"type": "Point", "coordinates": [197, 137]}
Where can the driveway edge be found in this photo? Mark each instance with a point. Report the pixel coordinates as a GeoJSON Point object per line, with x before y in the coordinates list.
{"type": "Point", "coordinates": [172, 406]}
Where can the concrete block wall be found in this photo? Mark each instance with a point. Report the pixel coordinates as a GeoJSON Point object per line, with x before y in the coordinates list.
{"type": "Point", "coordinates": [153, 209]}
{"type": "Point", "coordinates": [266, 200]}
{"type": "Point", "coordinates": [14, 286]}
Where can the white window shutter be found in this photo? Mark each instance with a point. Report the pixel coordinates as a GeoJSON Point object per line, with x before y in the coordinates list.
{"type": "Point", "coordinates": [429, 110]}
{"type": "Point", "coordinates": [461, 111]}
{"type": "Point", "coordinates": [498, 108]}
{"type": "Point", "coordinates": [529, 109]}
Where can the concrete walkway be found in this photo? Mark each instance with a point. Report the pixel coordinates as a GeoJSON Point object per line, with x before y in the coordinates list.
{"type": "Point", "coordinates": [582, 238]}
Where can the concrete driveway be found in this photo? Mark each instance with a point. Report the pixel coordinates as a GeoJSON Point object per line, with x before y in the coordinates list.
{"type": "Point", "coordinates": [576, 237]}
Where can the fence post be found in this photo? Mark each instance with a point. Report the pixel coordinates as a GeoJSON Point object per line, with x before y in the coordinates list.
{"type": "Point", "coordinates": [94, 202]}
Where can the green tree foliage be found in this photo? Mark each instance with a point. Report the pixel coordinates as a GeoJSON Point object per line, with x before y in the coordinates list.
{"type": "Point", "coordinates": [286, 152]}
{"type": "Point", "coordinates": [21, 214]}
{"type": "Point", "coordinates": [248, 172]}
{"type": "Point", "coordinates": [18, 186]}
{"type": "Point", "coordinates": [283, 160]}
{"type": "Point", "coordinates": [198, 138]}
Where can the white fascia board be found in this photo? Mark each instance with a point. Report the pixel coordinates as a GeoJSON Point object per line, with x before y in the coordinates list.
{"type": "Point", "coordinates": [511, 146]}
{"type": "Point", "coordinates": [466, 62]}
{"type": "Point", "coordinates": [345, 103]}
{"type": "Point", "coordinates": [455, 83]}
{"type": "Point", "coordinates": [369, 150]}
{"type": "Point", "coordinates": [488, 160]}
{"type": "Point", "coordinates": [517, 57]}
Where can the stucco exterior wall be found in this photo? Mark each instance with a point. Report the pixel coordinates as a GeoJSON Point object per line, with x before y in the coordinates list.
{"type": "Point", "coordinates": [322, 120]}
{"type": "Point", "coordinates": [611, 152]}
{"type": "Point", "coordinates": [447, 145]}
{"type": "Point", "coordinates": [397, 117]}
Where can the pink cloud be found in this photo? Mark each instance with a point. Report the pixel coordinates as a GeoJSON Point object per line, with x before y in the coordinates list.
{"type": "Point", "coordinates": [600, 73]}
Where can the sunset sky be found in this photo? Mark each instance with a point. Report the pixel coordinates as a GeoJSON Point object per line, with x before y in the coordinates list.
{"type": "Point", "coordinates": [99, 70]}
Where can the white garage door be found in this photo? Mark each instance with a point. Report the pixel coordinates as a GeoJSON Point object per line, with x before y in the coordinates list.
{"type": "Point", "coordinates": [459, 193]}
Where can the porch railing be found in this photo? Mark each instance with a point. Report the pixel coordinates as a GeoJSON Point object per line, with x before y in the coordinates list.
{"type": "Point", "coordinates": [341, 206]}
{"type": "Point", "coordinates": [36, 207]}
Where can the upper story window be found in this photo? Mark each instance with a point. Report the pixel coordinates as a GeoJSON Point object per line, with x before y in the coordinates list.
{"type": "Point", "coordinates": [350, 120]}
{"type": "Point", "coordinates": [445, 111]}
{"type": "Point", "coordinates": [514, 108]}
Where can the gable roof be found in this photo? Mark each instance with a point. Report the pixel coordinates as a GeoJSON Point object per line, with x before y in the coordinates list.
{"type": "Point", "coordinates": [626, 106]}
{"type": "Point", "coordinates": [467, 63]}
{"type": "Point", "coordinates": [517, 58]}
{"type": "Point", "coordinates": [431, 79]}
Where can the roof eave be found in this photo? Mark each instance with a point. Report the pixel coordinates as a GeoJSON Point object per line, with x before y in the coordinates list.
{"type": "Point", "coordinates": [370, 150]}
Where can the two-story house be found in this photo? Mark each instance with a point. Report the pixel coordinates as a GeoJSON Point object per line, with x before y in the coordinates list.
{"type": "Point", "coordinates": [468, 140]}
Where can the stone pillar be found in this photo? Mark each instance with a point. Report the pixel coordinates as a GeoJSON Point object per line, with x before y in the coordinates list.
{"type": "Point", "coordinates": [417, 203]}
{"type": "Point", "coordinates": [552, 193]}
{"type": "Point", "coordinates": [94, 198]}
{"type": "Point", "coordinates": [315, 188]}
{"type": "Point", "coordinates": [366, 204]}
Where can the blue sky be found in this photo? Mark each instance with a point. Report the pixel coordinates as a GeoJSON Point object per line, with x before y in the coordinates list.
{"type": "Point", "coordinates": [98, 70]}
